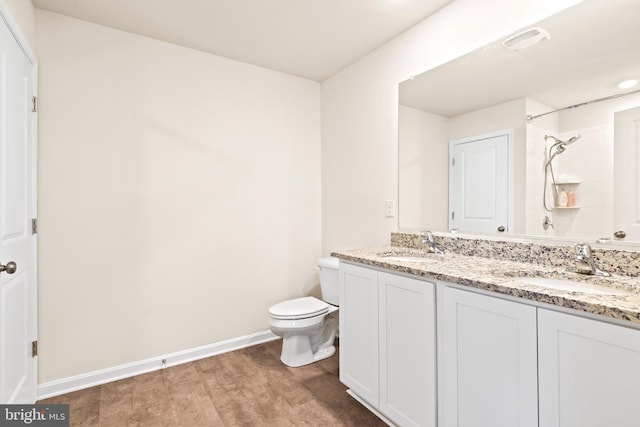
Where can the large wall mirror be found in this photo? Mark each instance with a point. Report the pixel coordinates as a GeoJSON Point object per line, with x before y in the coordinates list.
{"type": "Point", "coordinates": [573, 134]}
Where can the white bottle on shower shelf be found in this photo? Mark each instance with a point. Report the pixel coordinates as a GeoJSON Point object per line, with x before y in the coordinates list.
{"type": "Point", "coordinates": [562, 199]}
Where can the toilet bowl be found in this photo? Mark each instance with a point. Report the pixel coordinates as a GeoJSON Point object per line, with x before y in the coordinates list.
{"type": "Point", "coordinates": [307, 330]}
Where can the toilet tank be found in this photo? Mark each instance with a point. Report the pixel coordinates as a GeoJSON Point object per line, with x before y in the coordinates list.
{"type": "Point", "coordinates": [329, 279]}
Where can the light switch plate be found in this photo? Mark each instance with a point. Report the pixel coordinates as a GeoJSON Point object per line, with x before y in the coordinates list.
{"type": "Point", "coordinates": [389, 208]}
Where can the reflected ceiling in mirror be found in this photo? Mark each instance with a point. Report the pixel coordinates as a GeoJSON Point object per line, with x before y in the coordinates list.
{"type": "Point", "coordinates": [593, 46]}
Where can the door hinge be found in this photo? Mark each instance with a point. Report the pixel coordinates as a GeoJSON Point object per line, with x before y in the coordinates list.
{"type": "Point", "coordinates": [453, 215]}
{"type": "Point", "coordinates": [34, 104]}
{"type": "Point", "coordinates": [34, 226]}
{"type": "Point", "coordinates": [453, 161]}
{"type": "Point", "coordinates": [34, 348]}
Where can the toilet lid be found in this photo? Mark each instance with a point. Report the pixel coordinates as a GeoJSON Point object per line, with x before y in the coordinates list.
{"type": "Point", "coordinates": [329, 262]}
{"type": "Point", "coordinates": [299, 308]}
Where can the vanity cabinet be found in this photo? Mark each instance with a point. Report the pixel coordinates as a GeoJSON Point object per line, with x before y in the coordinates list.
{"type": "Point", "coordinates": [501, 363]}
{"type": "Point", "coordinates": [387, 343]}
{"type": "Point", "coordinates": [589, 372]}
{"type": "Point", "coordinates": [505, 363]}
{"type": "Point", "coordinates": [488, 361]}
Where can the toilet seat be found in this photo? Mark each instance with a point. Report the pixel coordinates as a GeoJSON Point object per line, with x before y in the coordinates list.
{"type": "Point", "coordinates": [299, 308]}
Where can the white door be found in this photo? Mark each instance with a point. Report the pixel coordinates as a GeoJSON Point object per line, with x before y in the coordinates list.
{"type": "Point", "coordinates": [626, 179]}
{"type": "Point", "coordinates": [589, 372]}
{"type": "Point", "coordinates": [407, 350]}
{"type": "Point", "coordinates": [479, 183]}
{"type": "Point", "coordinates": [359, 331]}
{"type": "Point", "coordinates": [17, 208]}
{"type": "Point", "coordinates": [489, 368]}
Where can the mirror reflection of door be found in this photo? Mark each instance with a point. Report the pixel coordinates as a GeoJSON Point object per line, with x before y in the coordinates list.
{"type": "Point", "coordinates": [479, 183]}
{"type": "Point", "coordinates": [626, 179]}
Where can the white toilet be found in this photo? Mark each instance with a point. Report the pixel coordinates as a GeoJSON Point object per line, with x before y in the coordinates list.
{"type": "Point", "coordinates": [306, 329]}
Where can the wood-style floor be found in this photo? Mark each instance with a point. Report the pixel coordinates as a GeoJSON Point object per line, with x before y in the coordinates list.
{"type": "Point", "coordinates": [248, 387]}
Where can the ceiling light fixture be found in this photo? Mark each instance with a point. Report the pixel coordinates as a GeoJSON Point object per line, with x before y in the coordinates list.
{"type": "Point", "coordinates": [628, 84]}
{"type": "Point", "coordinates": [526, 39]}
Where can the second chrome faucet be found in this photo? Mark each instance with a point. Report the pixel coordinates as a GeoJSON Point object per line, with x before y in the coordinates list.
{"type": "Point", "coordinates": [585, 264]}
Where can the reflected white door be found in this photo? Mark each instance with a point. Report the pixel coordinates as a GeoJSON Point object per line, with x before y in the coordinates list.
{"type": "Point", "coordinates": [17, 205]}
{"type": "Point", "coordinates": [479, 183]}
{"type": "Point", "coordinates": [626, 178]}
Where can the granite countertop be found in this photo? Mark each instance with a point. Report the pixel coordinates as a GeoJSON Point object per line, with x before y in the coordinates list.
{"type": "Point", "coordinates": [504, 277]}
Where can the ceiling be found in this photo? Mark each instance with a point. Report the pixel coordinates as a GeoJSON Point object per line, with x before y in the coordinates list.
{"type": "Point", "coordinates": [308, 38]}
{"type": "Point", "coordinates": [593, 46]}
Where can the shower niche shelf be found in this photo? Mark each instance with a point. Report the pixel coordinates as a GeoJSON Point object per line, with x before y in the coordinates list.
{"type": "Point", "coordinates": [569, 186]}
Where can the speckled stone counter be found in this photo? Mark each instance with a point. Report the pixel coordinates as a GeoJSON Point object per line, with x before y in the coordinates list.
{"type": "Point", "coordinates": [613, 260]}
{"type": "Point", "coordinates": [502, 275]}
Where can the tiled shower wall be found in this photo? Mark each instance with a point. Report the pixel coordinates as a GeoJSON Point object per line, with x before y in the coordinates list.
{"type": "Point", "coordinates": [589, 162]}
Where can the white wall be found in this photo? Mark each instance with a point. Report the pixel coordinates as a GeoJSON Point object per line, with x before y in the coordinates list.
{"type": "Point", "coordinates": [179, 196]}
{"type": "Point", "coordinates": [23, 13]}
{"type": "Point", "coordinates": [360, 112]}
{"type": "Point", "coordinates": [423, 153]}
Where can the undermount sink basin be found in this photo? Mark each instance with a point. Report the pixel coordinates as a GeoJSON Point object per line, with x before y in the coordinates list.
{"type": "Point", "coordinates": [571, 286]}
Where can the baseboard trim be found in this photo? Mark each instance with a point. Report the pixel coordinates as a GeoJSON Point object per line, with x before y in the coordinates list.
{"type": "Point", "coordinates": [102, 376]}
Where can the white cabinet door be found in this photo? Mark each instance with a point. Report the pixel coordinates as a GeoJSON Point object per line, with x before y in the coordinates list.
{"type": "Point", "coordinates": [489, 362]}
{"type": "Point", "coordinates": [407, 350]}
{"type": "Point", "coordinates": [589, 372]}
{"type": "Point", "coordinates": [359, 331]}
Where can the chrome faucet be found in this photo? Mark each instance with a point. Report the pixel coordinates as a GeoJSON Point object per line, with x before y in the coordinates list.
{"type": "Point", "coordinates": [430, 241]}
{"type": "Point", "coordinates": [585, 264]}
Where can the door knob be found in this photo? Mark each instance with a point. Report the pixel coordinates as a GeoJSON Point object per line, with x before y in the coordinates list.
{"type": "Point", "coordinates": [620, 234]}
{"type": "Point", "coordinates": [10, 268]}
{"type": "Point", "coordinates": [501, 229]}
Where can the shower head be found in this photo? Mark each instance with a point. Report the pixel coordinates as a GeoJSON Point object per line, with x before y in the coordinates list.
{"type": "Point", "coordinates": [560, 143]}
{"type": "Point", "coordinates": [572, 139]}
{"type": "Point", "coordinates": [559, 146]}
